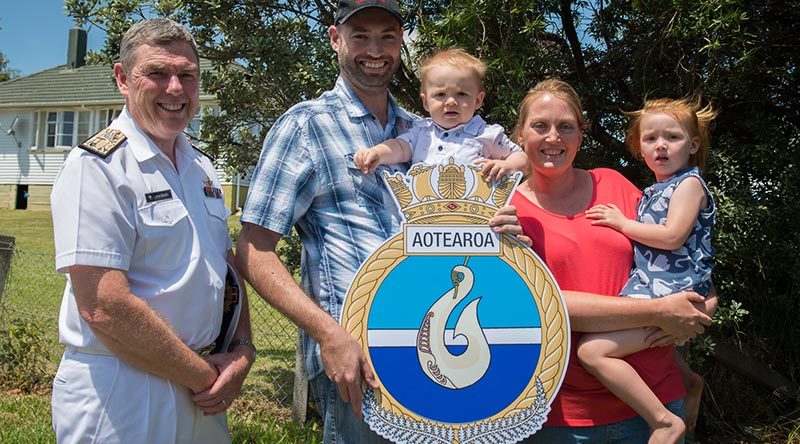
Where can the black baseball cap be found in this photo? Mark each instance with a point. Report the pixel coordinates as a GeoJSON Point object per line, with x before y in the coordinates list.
{"type": "Point", "coordinates": [347, 8]}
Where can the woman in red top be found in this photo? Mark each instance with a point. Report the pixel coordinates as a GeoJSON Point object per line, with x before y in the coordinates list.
{"type": "Point", "coordinates": [590, 263]}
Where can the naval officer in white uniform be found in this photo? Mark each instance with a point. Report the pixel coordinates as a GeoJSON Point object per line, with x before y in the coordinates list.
{"type": "Point", "coordinates": [140, 230]}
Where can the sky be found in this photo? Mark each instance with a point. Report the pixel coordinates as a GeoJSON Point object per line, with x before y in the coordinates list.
{"type": "Point", "coordinates": [33, 34]}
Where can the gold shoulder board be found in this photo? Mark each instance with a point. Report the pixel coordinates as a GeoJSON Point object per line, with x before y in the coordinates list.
{"type": "Point", "coordinates": [104, 142]}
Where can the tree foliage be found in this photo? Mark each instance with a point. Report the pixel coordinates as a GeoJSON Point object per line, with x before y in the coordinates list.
{"type": "Point", "coordinates": [5, 72]}
{"type": "Point", "coordinates": [267, 56]}
{"type": "Point", "coordinates": [741, 56]}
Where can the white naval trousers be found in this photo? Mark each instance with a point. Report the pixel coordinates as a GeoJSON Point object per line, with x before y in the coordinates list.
{"type": "Point", "coordinates": [101, 399]}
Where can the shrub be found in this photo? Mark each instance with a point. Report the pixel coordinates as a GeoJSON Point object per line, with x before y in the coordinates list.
{"type": "Point", "coordinates": [23, 355]}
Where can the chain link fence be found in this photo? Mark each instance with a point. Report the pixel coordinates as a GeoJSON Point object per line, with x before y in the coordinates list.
{"type": "Point", "coordinates": [33, 291]}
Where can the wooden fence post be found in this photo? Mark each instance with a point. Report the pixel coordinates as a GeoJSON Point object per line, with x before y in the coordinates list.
{"type": "Point", "coordinates": [300, 392]}
{"type": "Point", "coordinates": [782, 387]}
{"type": "Point", "coordinates": [6, 252]}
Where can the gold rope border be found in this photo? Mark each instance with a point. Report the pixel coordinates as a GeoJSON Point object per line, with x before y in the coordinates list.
{"type": "Point", "coordinates": [555, 325]}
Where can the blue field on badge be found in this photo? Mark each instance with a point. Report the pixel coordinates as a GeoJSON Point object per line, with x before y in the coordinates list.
{"type": "Point", "coordinates": [414, 284]}
{"type": "Point", "coordinates": [507, 315]}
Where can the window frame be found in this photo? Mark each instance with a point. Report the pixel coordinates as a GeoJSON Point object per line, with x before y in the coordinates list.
{"type": "Point", "coordinates": [51, 130]}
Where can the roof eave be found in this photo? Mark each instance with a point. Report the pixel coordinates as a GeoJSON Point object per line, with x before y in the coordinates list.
{"type": "Point", "coordinates": [120, 101]}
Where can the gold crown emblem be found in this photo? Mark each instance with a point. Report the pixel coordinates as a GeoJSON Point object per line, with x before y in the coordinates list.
{"type": "Point", "coordinates": [449, 194]}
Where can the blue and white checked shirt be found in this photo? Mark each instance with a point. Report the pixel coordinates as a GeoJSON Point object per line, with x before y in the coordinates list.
{"type": "Point", "coordinates": [306, 177]}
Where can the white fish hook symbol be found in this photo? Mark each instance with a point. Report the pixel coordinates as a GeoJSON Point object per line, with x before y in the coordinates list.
{"type": "Point", "coordinates": [441, 366]}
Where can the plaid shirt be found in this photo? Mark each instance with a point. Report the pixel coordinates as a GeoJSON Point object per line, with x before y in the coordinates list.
{"type": "Point", "coordinates": [306, 177]}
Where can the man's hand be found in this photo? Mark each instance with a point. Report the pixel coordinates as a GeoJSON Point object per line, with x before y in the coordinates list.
{"type": "Point", "coordinates": [506, 221]}
{"type": "Point", "coordinates": [679, 317]}
{"type": "Point", "coordinates": [233, 368]}
{"type": "Point", "coordinates": [367, 160]}
{"type": "Point", "coordinates": [346, 365]}
{"type": "Point", "coordinates": [607, 216]}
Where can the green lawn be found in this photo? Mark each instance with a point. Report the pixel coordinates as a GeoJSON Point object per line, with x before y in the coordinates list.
{"type": "Point", "coordinates": [25, 419]}
{"type": "Point", "coordinates": [33, 229]}
{"type": "Point", "coordinates": [34, 291]}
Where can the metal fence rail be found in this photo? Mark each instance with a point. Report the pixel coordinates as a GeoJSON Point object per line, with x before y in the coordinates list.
{"type": "Point", "coordinates": [33, 292]}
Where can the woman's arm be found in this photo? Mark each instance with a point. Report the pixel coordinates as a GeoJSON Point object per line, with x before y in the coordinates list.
{"type": "Point", "coordinates": [678, 314]}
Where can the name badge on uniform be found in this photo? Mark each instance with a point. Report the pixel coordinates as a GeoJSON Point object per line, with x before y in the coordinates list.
{"type": "Point", "coordinates": [210, 190]}
{"type": "Point", "coordinates": [158, 195]}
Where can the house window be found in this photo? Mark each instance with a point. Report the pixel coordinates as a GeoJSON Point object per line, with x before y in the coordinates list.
{"type": "Point", "coordinates": [64, 128]}
{"type": "Point", "coordinates": [192, 131]}
{"type": "Point", "coordinates": [106, 116]}
{"type": "Point", "coordinates": [52, 124]}
{"type": "Point", "coordinates": [67, 128]}
{"type": "Point", "coordinates": [82, 131]}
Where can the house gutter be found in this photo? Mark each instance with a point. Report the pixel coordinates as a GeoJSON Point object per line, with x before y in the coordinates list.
{"type": "Point", "coordinates": [80, 104]}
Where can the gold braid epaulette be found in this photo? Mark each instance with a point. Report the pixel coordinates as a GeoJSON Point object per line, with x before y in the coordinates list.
{"type": "Point", "coordinates": [104, 142]}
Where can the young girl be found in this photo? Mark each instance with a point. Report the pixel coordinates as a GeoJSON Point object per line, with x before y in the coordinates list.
{"type": "Point", "coordinates": [672, 251]}
{"type": "Point", "coordinates": [451, 92]}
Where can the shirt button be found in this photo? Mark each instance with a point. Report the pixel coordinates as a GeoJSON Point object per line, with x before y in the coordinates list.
{"type": "Point", "coordinates": [441, 147]}
{"type": "Point", "coordinates": [445, 134]}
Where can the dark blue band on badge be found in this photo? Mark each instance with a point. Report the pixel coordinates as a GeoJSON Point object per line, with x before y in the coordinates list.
{"type": "Point", "coordinates": [158, 195]}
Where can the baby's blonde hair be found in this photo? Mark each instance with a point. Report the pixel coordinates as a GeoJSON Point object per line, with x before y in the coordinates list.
{"type": "Point", "coordinates": [688, 112]}
{"type": "Point", "coordinates": [453, 58]}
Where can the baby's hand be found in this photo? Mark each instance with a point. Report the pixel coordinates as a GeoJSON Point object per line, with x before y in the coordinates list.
{"type": "Point", "coordinates": [607, 215]}
{"type": "Point", "coordinates": [367, 160]}
{"type": "Point", "coordinates": [494, 169]}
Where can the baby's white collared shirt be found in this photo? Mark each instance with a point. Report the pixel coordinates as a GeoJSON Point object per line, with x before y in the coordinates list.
{"type": "Point", "coordinates": [465, 143]}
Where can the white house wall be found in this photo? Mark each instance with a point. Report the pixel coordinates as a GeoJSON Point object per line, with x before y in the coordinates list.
{"type": "Point", "coordinates": [18, 163]}
{"type": "Point", "coordinates": [21, 165]}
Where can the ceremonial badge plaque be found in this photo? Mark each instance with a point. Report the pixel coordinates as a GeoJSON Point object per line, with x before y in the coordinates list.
{"type": "Point", "coordinates": [465, 329]}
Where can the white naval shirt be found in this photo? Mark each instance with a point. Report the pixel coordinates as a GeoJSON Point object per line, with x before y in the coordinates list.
{"type": "Point", "coordinates": [134, 212]}
{"type": "Point", "coordinates": [465, 143]}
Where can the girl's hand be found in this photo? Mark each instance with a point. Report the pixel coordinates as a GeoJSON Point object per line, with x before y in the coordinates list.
{"type": "Point", "coordinates": [367, 160]}
{"type": "Point", "coordinates": [657, 337]}
{"type": "Point", "coordinates": [493, 169]}
{"type": "Point", "coordinates": [607, 215]}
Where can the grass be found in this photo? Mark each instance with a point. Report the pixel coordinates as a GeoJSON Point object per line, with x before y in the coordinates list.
{"type": "Point", "coordinates": [261, 413]}
{"type": "Point", "coordinates": [34, 287]}
{"type": "Point", "coordinates": [25, 418]}
{"type": "Point", "coordinates": [33, 229]}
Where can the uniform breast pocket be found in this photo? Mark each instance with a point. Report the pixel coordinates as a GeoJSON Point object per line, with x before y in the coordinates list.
{"type": "Point", "coordinates": [218, 220]}
{"type": "Point", "coordinates": [168, 235]}
{"type": "Point", "coordinates": [368, 188]}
